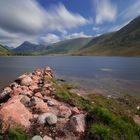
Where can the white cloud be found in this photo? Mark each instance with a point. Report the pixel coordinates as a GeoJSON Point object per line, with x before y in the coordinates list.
{"type": "Point", "coordinates": [59, 18]}
{"type": "Point", "coordinates": [77, 35]}
{"type": "Point", "coordinates": [49, 38]}
{"type": "Point", "coordinates": [132, 11]}
{"type": "Point", "coordinates": [97, 35]}
{"type": "Point", "coordinates": [15, 39]}
{"type": "Point", "coordinates": [105, 11]}
{"type": "Point", "coordinates": [95, 28]}
{"type": "Point", "coordinates": [27, 19]}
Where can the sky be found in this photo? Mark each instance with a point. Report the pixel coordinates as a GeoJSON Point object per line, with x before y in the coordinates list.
{"type": "Point", "coordinates": [50, 21]}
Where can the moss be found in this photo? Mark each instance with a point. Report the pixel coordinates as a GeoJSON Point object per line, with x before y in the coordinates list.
{"type": "Point", "coordinates": [17, 134]}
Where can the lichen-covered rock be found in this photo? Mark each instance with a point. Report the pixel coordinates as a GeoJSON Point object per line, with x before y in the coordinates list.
{"type": "Point", "coordinates": [14, 114]}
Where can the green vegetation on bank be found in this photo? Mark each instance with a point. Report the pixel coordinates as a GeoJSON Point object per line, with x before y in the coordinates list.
{"type": "Point", "coordinates": [108, 118]}
{"type": "Point", "coordinates": [17, 134]}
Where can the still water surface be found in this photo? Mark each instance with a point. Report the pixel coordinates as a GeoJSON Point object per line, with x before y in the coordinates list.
{"type": "Point", "coordinates": [109, 75]}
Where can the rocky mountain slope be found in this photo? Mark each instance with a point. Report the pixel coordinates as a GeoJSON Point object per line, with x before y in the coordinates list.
{"type": "Point", "coordinates": [37, 106]}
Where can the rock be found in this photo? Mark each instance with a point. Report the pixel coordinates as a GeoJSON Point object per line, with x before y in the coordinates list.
{"type": "Point", "coordinates": [49, 117]}
{"type": "Point", "coordinates": [8, 89]}
{"type": "Point", "coordinates": [75, 110]}
{"type": "Point", "coordinates": [48, 71]}
{"type": "Point", "coordinates": [50, 103]}
{"type": "Point", "coordinates": [39, 105]}
{"type": "Point", "coordinates": [39, 95]}
{"type": "Point", "coordinates": [16, 91]}
{"type": "Point", "coordinates": [47, 138]}
{"type": "Point", "coordinates": [14, 85]}
{"type": "Point", "coordinates": [14, 114]}
{"type": "Point", "coordinates": [136, 119]}
{"type": "Point", "coordinates": [138, 107]}
{"type": "Point", "coordinates": [64, 111]}
{"type": "Point", "coordinates": [33, 87]}
{"type": "Point", "coordinates": [77, 123]}
{"type": "Point", "coordinates": [42, 118]}
{"type": "Point", "coordinates": [47, 85]}
{"type": "Point", "coordinates": [25, 88]}
{"type": "Point", "coordinates": [5, 94]}
{"type": "Point", "coordinates": [35, 116]}
{"type": "Point", "coordinates": [37, 137]}
{"type": "Point", "coordinates": [35, 78]}
{"type": "Point", "coordinates": [26, 80]}
{"type": "Point", "coordinates": [38, 72]}
{"type": "Point", "coordinates": [25, 100]}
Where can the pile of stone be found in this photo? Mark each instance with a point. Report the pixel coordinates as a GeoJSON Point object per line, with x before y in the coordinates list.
{"type": "Point", "coordinates": [30, 103]}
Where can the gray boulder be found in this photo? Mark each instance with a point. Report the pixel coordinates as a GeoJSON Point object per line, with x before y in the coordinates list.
{"type": "Point", "coordinates": [50, 118]}
{"type": "Point", "coordinates": [37, 137]}
{"type": "Point", "coordinates": [77, 123]}
{"type": "Point", "coordinates": [26, 80]}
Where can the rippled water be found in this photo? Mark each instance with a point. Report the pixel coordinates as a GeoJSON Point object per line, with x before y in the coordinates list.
{"type": "Point", "coordinates": [110, 75]}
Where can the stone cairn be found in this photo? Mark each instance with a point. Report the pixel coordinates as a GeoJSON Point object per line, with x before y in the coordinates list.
{"type": "Point", "coordinates": [30, 103]}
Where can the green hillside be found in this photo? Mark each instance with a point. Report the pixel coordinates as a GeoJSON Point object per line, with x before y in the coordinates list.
{"type": "Point", "coordinates": [125, 42]}
{"type": "Point", "coordinates": [67, 47]}
{"type": "Point", "coordinates": [4, 51]}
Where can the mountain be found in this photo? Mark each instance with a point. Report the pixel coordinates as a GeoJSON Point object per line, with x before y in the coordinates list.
{"type": "Point", "coordinates": [4, 51]}
{"type": "Point", "coordinates": [125, 42]}
{"type": "Point", "coordinates": [28, 47]}
{"type": "Point", "coordinates": [67, 46]}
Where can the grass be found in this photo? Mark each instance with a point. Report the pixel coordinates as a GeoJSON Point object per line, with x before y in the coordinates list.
{"type": "Point", "coordinates": [17, 134]}
{"type": "Point", "coordinates": [100, 130]}
{"type": "Point", "coordinates": [108, 119]}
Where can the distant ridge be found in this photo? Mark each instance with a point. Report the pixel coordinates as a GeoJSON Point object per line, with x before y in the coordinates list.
{"type": "Point", "coordinates": [125, 42]}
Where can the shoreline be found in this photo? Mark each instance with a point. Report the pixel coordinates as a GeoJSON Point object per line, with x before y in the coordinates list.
{"type": "Point", "coordinates": [36, 105]}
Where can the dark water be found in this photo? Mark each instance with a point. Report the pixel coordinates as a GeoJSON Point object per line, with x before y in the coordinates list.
{"type": "Point", "coordinates": [111, 75]}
